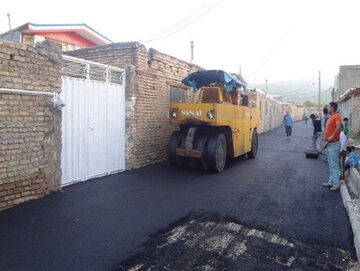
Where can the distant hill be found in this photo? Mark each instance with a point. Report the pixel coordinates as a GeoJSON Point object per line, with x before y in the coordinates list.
{"type": "Point", "coordinates": [296, 91]}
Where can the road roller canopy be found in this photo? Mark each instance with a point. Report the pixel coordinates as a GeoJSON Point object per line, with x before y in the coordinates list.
{"type": "Point", "coordinates": [206, 78]}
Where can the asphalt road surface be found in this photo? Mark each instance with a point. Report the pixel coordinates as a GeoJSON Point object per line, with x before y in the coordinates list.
{"type": "Point", "coordinates": [272, 211]}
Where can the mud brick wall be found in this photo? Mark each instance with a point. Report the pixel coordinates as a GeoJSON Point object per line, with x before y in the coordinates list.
{"type": "Point", "coordinates": [29, 125]}
{"type": "Point", "coordinates": [149, 75]}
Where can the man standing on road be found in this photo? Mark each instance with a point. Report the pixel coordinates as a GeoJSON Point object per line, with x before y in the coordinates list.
{"type": "Point", "coordinates": [326, 116]}
{"type": "Point", "coordinates": [288, 124]}
{"type": "Point", "coordinates": [332, 136]}
{"type": "Point", "coordinates": [317, 132]}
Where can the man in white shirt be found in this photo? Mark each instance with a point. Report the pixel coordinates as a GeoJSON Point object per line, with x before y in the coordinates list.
{"type": "Point", "coordinates": [343, 144]}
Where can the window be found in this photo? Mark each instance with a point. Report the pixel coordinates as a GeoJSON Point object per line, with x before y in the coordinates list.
{"type": "Point", "coordinates": [177, 94]}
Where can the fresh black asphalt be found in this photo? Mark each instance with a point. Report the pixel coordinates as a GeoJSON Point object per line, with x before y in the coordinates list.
{"type": "Point", "coordinates": [100, 223]}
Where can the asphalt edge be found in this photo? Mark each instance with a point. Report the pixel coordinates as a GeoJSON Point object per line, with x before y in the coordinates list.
{"type": "Point", "coordinates": [354, 214]}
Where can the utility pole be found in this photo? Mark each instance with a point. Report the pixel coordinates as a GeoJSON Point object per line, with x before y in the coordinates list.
{"type": "Point", "coordinates": [266, 86]}
{"type": "Point", "coordinates": [192, 51]}
{"type": "Point", "coordinates": [319, 91]}
{"type": "Point", "coordinates": [8, 14]}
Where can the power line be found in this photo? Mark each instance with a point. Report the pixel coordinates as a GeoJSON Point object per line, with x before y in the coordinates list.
{"type": "Point", "coordinates": [179, 29]}
{"type": "Point", "coordinates": [274, 50]}
{"type": "Point", "coordinates": [188, 24]}
{"type": "Point", "coordinates": [290, 92]}
{"type": "Point", "coordinates": [310, 81]}
{"type": "Point", "coordinates": [181, 21]}
{"type": "Point", "coordinates": [272, 53]}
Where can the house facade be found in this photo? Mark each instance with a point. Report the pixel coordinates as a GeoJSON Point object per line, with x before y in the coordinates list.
{"type": "Point", "coordinates": [346, 93]}
{"type": "Point", "coordinates": [349, 106]}
{"type": "Point", "coordinates": [348, 77]}
{"type": "Point", "coordinates": [70, 36]}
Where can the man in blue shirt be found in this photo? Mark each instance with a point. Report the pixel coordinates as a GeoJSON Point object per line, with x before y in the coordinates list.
{"type": "Point", "coordinates": [326, 116]}
{"type": "Point", "coordinates": [288, 124]}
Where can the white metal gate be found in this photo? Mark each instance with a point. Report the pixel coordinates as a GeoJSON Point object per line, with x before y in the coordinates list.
{"type": "Point", "coordinates": [93, 125]}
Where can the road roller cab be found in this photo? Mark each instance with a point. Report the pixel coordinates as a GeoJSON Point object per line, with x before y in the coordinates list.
{"type": "Point", "coordinates": [220, 123]}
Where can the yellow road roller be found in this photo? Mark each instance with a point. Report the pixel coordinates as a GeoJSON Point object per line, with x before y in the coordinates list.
{"type": "Point", "coordinates": [219, 124]}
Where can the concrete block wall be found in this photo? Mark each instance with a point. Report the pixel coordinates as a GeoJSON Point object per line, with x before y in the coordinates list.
{"type": "Point", "coordinates": [355, 114]}
{"type": "Point", "coordinates": [348, 77]}
{"type": "Point", "coordinates": [297, 111]}
{"type": "Point", "coordinates": [271, 112]}
{"type": "Point", "coordinates": [29, 125]}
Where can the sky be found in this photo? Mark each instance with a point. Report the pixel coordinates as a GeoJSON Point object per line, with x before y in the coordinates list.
{"type": "Point", "coordinates": [278, 40]}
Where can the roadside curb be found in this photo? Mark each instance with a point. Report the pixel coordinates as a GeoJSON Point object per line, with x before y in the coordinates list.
{"type": "Point", "coordinates": [354, 216]}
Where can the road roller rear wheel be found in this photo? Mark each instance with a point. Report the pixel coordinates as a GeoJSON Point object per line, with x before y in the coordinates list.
{"type": "Point", "coordinates": [174, 143]}
{"type": "Point", "coordinates": [200, 144]}
{"type": "Point", "coordinates": [217, 152]}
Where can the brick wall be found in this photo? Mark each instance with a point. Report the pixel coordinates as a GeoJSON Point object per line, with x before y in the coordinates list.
{"type": "Point", "coordinates": [156, 73]}
{"type": "Point", "coordinates": [29, 124]}
{"type": "Point", "coordinates": [149, 77]}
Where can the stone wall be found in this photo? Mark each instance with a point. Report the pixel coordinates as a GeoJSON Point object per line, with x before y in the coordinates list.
{"type": "Point", "coordinates": [29, 124]}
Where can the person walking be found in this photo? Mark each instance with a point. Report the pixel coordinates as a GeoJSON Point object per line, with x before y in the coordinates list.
{"type": "Point", "coordinates": [317, 132]}
{"type": "Point", "coordinates": [288, 121]}
{"type": "Point", "coordinates": [332, 137]}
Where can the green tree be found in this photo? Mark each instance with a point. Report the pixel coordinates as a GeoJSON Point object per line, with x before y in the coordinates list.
{"type": "Point", "coordinates": [308, 103]}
